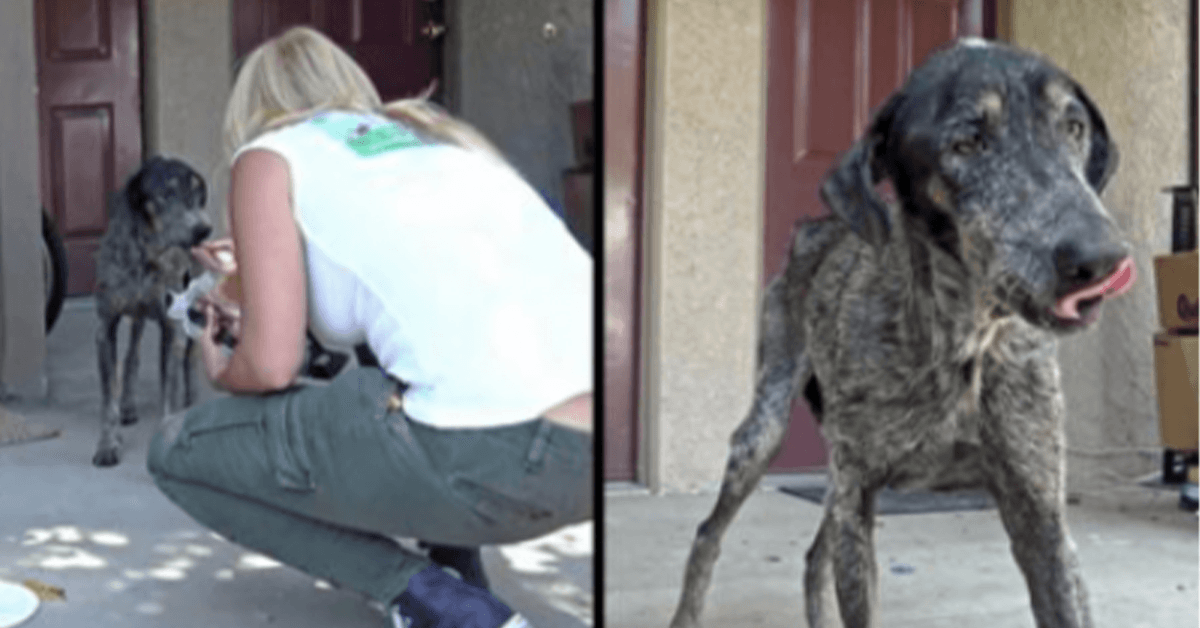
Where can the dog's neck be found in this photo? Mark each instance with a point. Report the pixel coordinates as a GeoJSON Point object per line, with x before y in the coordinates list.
{"type": "Point", "coordinates": [945, 309]}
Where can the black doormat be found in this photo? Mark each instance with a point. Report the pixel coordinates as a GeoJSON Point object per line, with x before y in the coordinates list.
{"type": "Point", "coordinates": [889, 502]}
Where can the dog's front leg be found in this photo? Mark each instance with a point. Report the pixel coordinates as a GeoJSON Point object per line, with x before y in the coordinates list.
{"type": "Point", "coordinates": [1024, 448]}
{"type": "Point", "coordinates": [753, 445]}
{"type": "Point", "coordinates": [820, 596]}
{"type": "Point", "coordinates": [129, 376]}
{"type": "Point", "coordinates": [170, 366]}
{"type": "Point", "coordinates": [108, 449]}
{"type": "Point", "coordinates": [849, 535]}
{"type": "Point", "coordinates": [189, 374]}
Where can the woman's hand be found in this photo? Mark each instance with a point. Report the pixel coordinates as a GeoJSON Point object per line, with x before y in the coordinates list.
{"type": "Point", "coordinates": [217, 256]}
{"type": "Point", "coordinates": [216, 360]}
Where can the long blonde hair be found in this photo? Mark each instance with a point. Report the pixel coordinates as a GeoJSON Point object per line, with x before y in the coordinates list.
{"type": "Point", "coordinates": [301, 73]}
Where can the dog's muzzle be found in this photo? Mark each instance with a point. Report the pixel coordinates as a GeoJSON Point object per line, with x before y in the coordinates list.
{"type": "Point", "coordinates": [200, 233]}
{"type": "Point", "coordinates": [1118, 282]}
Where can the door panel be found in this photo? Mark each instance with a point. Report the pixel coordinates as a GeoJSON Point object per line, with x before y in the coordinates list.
{"type": "Point", "coordinates": [89, 117]}
{"type": "Point", "coordinates": [81, 144]}
{"type": "Point", "coordinates": [397, 42]}
{"type": "Point", "coordinates": [825, 91]}
{"type": "Point", "coordinates": [887, 52]}
{"type": "Point", "coordinates": [830, 64]}
{"type": "Point", "coordinates": [77, 30]}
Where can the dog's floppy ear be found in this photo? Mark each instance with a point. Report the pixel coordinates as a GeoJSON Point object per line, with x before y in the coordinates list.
{"type": "Point", "coordinates": [198, 187]}
{"type": "Point", "coordinates": [136, 198]}
{"type": "Point", "coordinates": [1102, 161]}
{"type": "Point", "coordinates": [849, 188]}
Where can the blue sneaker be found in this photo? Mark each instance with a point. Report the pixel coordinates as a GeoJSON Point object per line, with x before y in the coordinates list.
{"type": "Point", "coordinates": [467, 561]}
{"type": "Point", "coordinates": [436, 599]}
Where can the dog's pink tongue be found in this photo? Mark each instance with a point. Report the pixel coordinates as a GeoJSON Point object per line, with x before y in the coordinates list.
{"type": "Point", "coordinates": [1118, 283]}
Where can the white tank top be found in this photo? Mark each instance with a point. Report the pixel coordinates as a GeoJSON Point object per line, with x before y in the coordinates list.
{"type": "Point", "coordinates": [453, 270]}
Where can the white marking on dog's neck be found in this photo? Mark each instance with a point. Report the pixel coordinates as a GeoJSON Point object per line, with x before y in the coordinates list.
{"type": "Point", "coordinates": [972, 41]}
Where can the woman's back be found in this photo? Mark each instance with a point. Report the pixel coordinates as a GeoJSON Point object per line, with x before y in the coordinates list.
{"type": "Point", "coordinates": [463, 282]}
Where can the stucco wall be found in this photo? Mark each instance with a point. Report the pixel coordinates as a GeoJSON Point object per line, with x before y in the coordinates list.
{"type": "Point", "coordinates": [188, 71]}
{"type": "Point", "coordinates": [515, 82]}
{"type": "Point", "coordinates": [22, 325]}
{"type": "Point", "coordinates": [704, 185]}
{"type": "Point", "coordinates": [1132, 59]}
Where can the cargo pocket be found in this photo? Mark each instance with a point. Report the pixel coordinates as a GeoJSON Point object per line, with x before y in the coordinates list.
{"type": "Point", "coordinates": [498, 508]}
{"type": "Point", "coordinates": [511, 502]}
{"type": "Point", "coordinates": [209, 421]}
{"type": "Point", "coordinates": [285, 443]}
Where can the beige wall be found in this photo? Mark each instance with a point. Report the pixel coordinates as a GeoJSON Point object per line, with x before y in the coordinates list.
{"type": "Point", "coordinates": [703, 244]}
{"type": "Point", "coordinates": [1132, 59]}
{"type": "Point", "coordinates": [188, 71]}
{"type": "Point", "coordinates": [22, 325]}
{"type": "Point", "coordinates": [704, 183]}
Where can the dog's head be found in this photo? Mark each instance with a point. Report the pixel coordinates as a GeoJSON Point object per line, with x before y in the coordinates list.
{"type": "Point", "coordinates": [168, 197]}
{"type": "Point", "coordinates": [997, 158]}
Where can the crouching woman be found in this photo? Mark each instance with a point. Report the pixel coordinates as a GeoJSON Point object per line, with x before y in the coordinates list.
{"type": "Point", "coordinates": [398, 227]}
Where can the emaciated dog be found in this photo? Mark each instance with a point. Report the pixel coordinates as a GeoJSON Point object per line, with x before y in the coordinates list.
{"type": "Point", "coordinates": [152, 225]}
{"type": "Point", "coordinates": [922, 332]}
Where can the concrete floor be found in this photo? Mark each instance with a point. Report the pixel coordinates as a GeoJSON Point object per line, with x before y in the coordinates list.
{"type": "Point", "coordinates": [127, 557]}
{"type": "Point", "coordinates": [1137, 549]}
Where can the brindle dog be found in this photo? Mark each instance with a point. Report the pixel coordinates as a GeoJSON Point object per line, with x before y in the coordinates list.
{"type": "Point", "coordinates": [922, 333]}
{"type": "Point", "coordinates": [152, 224]}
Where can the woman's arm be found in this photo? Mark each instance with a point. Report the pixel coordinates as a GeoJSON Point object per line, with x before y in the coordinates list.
{"type": "Point", "coordinates": [274, 307]}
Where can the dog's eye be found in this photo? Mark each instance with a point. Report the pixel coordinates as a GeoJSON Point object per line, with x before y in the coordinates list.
{"type": "Point", "coordinates": [1075, 129]}
{"type": "Point", "coordinates": [967, 146]}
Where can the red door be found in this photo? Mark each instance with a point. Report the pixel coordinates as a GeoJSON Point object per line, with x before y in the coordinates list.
{"type": "Point", "coordinates": [397, 42]}
{"type": "Point", "coordinates": [89, 118]}
{"type": "Point", "coordinates": [622, 232]}
{"type": "Point", "coordinates": [830, 64]}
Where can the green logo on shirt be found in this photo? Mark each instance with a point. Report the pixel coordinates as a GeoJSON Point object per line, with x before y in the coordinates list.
{"type": "Point", "coordinates": [365, 137]}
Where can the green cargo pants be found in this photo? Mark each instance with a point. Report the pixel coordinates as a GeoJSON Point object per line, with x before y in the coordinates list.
{"type": "Point", "coordinates": [321, 477]}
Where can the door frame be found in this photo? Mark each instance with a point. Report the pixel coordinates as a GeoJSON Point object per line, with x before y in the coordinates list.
{"type": "Point", "coordinates": [624, 442]}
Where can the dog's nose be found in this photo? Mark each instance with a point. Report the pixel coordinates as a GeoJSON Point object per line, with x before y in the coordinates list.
{"type": "Point", "coordinates": [1089, 273]}
{"type": "Point", "coordinates": [1080, 263]}
{"type": "Point", "coordinates": [200, 232]}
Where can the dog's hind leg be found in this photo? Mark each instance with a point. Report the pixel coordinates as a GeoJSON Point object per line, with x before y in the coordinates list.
{"type": "Point", "coordinates": [754, 444]}
{"type": "Point", "coordinates": [129, 376]}
{"type": "Point", "coordinates": [108, 449]}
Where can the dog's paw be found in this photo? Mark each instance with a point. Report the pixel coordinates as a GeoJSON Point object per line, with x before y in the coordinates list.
{"type": "Point", "coordinates": [129, 415]}
{"type": "Point", "coordinates": [107, 457]}
{"type": "Point", "coordinates": [108, 452]}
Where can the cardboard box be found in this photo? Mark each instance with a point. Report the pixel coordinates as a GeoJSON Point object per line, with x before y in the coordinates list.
{"type": "Point", "coordinates": [1176, 278]}
{"type": "Point", "coordinates": [1175, 370]}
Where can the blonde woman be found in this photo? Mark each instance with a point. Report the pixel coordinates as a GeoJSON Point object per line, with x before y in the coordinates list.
{"type": "Point", "coordinates": [401, 228]}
